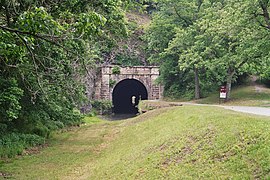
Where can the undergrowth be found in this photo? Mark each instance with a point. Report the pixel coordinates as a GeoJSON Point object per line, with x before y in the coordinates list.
{"type": "Point", "coordinates": [14, 143]}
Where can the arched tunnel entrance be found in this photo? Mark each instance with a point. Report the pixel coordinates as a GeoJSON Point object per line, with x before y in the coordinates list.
{"type": "Point", "coordinates": [126, 96]}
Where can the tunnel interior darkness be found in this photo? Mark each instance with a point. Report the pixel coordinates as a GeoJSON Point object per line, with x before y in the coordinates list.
{"type": "Point", "coordinates": [123, 93]}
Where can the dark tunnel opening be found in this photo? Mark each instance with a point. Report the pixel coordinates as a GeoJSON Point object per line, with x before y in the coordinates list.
{"type": "Point", "coordinates": [126, 96]}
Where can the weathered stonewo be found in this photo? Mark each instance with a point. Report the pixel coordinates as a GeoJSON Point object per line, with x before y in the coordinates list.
{"type": "Point", "coordinates": [145, 74]}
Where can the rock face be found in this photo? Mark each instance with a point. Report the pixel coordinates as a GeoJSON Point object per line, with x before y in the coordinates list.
{"type": "Point", "coordinates": [109, 76]}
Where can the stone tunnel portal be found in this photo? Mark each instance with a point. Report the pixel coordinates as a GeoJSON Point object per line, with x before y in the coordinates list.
{"type": "Point", "coordinates": [123, 93]}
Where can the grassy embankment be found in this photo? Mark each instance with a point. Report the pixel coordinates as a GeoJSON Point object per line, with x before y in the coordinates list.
{"type": "Point", "coordinates": [243, 96]}
{"type": "Point", "coordinates": [181, 142]}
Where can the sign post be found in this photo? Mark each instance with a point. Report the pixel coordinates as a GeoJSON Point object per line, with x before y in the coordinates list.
{"type": "Point", "coordinates": [222, 93]}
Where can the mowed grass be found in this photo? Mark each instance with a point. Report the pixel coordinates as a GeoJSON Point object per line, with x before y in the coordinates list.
{"type": "Point", "coordinates": [243, 96]}
{"type": "Point", "coordinates": [186, 142]}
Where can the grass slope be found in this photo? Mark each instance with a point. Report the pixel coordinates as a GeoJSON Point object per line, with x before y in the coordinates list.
{"type": "Point", "coordinates": [173, 143]}
{"type": "Point", "coordinates": [243, 96]}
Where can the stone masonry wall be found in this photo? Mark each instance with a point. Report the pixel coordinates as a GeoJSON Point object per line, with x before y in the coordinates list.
{"type": "Point", "coordinates": [145, 74]}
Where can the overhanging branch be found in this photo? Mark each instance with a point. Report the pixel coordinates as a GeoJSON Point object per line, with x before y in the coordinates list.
{"type": "Point", "coordinates": [35, 65]}
{"type": "Point", "coordinates": [265, 14]}
{"type": "Point", "coordinates": [39, 36]}
{"type": "Point", "coordinates": [43, 37]}
{"type": "Point", "coordinates": [185, 20]}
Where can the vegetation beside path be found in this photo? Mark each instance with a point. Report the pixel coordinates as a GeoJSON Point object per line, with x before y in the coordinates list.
{"type": "Point", "coordinates": [248, 95]}
{"type": "Point", "coordinates": [187, 142]}
{"type": "Point", "coordinates": [251, 95]}
{"type": "Point", "coordinates": [244, 95]}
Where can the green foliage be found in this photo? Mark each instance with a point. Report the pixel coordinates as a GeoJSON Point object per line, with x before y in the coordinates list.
{"type": "Point", "coordinates": [116, 70]}
{"type": "Point", "coordinates": [45, 49]}
{"type": "Point", "coordinates": [221, 40]}
{"type": "Point", "coordinates": [14, 144]}
{"type": "Point", "coordinates": [10, 95]}
{"type": "Point", "coordinates": [3, 129]}
{"type": "Point", "coordinates": [127, 60]}
{"type": "Point", "coordinates": [102, 106]}
{"type": "Point", "coordinates": [131, 50]}
{"type": "Point", "coordinates": [112, 83]}
{"type": "Point", "coordinates": [175, 84]}
{"type": "Point", "coordinates": [266, 82]}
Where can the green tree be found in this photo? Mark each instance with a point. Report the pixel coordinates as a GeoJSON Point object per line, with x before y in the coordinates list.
{"type": "Point", "coordinates": [216, 39]}
{"type": "Point", "coordinates": [45, 47]}
{"type": "Point", "coordinates": [238, 41]}
{"type": "Point", "coordinates": [180, 17]}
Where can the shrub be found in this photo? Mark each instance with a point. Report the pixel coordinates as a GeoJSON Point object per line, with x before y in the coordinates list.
{"type": "Point", "coordinates": [116, 70]}
{"type": "Point", "coordinates": [9, 99]}
{"type": "Point", "coordinates": [42, 123]}
{"type": "Point", "coordinates": [3, 129]}
{"type": "Point", "coordinates": [41, 130]}
{"type": "Point", "coordinates": [112, 82]}
{"type": "Point", "coordinates": [92, 113]}
{"type": "Point", "coordinates": [102, 106]}
{"type": "Point", "coordinates": [266, 82]}
{"type": "Point", "coordinates": [14, 143]}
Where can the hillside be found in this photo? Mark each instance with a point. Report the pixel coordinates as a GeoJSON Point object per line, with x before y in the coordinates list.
{"type": "Point", "coordinates": [131, 50]}
{"type": "Point", "coordinates": [180, 142]}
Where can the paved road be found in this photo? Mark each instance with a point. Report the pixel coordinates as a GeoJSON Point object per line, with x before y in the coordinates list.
{"type": "Point", "coordinates": [251, 110]}
{"type": "Point", "coordinates": [245, 109]}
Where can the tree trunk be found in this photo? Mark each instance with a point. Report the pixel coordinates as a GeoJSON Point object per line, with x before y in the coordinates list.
{"type": "Point", "coordinates": [197, 84]}
{"type": "Point", "coordinates": [231, 72]}
{"type": "Point", "coordinates": [7, 16]}
{"type": "Point", "coordinates": [265, 13]}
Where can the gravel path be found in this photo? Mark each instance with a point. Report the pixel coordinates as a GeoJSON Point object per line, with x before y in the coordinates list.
{"type": "Point", "coordinates": [245, 109]}
{"type": "Point", "coordinates": [251, 110]}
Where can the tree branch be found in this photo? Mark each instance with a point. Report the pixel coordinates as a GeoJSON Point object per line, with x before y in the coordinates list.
{"type": "Point", "coordinates": [7, 15]}
{"type": "Point", "coordinates": [43, 37]}
{"type": "Point", "coordinates": [177, 13]}
{"type": "Point", "coordinates": [39, 36]}
{"type": "Point", "coordinates": [241, 64]}
{"type": "Point", "coordinates": [35, 65]}
{"type": "Point", "coordinates": [260, 23]}
{"type": "Point", "coordinates": [265, 14]}
{"type": "Point", "coordinates": [200, 2]}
